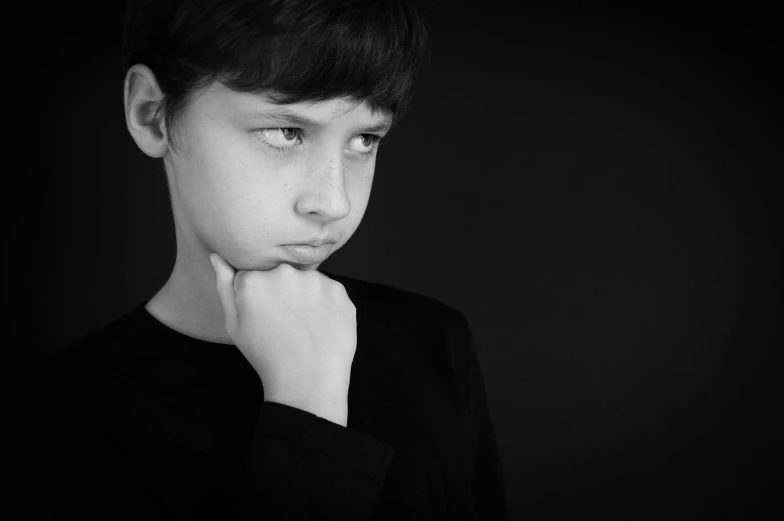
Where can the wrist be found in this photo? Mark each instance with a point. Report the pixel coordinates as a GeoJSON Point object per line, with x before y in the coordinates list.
{"type": "Point", "coordinates": [334, 411]}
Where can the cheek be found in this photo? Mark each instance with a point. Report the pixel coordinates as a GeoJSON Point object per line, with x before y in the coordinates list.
{"type": "Point", "coordinates": [231, 193]}
{"type": "Point", "coordinates": [359, 193]}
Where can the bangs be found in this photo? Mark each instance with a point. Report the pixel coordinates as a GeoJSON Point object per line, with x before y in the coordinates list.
{"type": "Point", "coordinates": [368, 52]}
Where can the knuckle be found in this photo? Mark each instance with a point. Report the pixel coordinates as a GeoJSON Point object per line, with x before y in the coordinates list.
{"type": "Point", "coordinates": [241, 281]}
{"type": "Point", "coordinates": [285, 267]}
{"type": "Point", "coordinates": [340, 288]}
{"type": "Point", "coordinates": [238, 278]}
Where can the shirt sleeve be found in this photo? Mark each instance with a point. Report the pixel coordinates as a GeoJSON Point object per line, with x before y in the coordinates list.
{"type": "Point", "coordinates": [487, 484]}
{"type": "Point", "coordinates": [302, 466]}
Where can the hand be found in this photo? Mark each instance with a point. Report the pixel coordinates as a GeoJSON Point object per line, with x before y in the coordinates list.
{"type": "Point", "coordinates": [297, 329]}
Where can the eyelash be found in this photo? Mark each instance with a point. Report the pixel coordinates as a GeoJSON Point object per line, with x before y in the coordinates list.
{"type": "Point", "coordinates": [374, 147]}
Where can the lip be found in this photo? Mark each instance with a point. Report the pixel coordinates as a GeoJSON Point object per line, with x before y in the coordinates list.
{"type": "Point", "coordinates": [309, 254]}
{"type": "Point", "coordinates": [316, 242]}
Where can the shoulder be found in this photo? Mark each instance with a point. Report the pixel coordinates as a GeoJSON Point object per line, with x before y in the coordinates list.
{"type": "Point", "coordinates": [104, 348]}
{"type": "Point", "coordinates": [411, 334]}
{"type": "Point", "coordinates": [377, 301]}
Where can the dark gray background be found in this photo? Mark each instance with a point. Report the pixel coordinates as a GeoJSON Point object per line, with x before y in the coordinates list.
{"type": "Point", "coordinates": [594, 189]}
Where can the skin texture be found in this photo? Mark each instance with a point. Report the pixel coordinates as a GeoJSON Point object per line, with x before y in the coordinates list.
{"type": "Point", "coordinates": [235, 195]}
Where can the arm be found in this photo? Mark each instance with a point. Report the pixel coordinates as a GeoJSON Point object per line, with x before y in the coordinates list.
{"type": "Point", "coordinates": [298, 331]}
{"type": "Point", "coordinates": [302, 466]}
{"type": "Point", "coordinates": [487, 488]}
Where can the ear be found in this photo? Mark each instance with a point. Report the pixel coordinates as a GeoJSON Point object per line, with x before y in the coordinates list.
{"type": "Point", "coordinates": [142, 97]}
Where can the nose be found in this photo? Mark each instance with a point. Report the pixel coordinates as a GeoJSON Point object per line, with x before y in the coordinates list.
{"type": "Point", "coordinates": [324, 197]}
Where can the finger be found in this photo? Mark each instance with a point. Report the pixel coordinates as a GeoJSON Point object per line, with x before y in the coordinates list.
{"type": "Point", "coordinates": [224, 285]}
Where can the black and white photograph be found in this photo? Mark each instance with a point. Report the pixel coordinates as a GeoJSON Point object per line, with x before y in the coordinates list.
{"type": "Point", "coordinates": [393, 260]}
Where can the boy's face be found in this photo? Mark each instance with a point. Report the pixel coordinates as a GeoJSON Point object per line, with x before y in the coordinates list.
{"type": "Point", "coordinates": [233, 193]}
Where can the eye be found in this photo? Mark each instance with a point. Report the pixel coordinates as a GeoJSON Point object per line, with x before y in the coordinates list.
{"type": "Point", "coordinates": [281, 138]}
{"type": "Point", "coordinates": [364, 144]}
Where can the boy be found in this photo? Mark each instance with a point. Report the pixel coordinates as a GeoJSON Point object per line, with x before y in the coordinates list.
{"type": "Point", "coordinates": [252, 385]}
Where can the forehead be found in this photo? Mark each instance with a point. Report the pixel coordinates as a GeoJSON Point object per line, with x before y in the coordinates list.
{"type": "Point", "coordinates": [219, 98]}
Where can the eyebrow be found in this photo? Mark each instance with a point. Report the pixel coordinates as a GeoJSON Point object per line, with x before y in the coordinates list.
{"type": "Point", "coordinates": [290, 118]}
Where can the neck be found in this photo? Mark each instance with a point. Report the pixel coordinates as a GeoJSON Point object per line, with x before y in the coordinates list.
{"type": "Point", "coordinates": [188, 302]}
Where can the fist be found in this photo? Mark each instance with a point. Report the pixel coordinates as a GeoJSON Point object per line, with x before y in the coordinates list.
{"type": "Point", "coordinates": [297, 329]}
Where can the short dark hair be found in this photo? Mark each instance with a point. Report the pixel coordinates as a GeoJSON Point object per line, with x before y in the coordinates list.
{"type": "Point", "coordinates": [295, 50]}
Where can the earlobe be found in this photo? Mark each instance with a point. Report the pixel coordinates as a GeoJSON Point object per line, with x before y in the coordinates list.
{"type": "Point", "coordinates": [143, 96]}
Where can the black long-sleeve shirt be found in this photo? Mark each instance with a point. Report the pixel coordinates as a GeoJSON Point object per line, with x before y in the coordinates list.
{"type": "Point", "coordinates": [143, 422]}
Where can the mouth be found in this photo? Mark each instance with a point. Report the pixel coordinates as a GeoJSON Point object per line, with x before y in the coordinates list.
{"type": "Point", "coordinates": [316, 242]}
{"type": "Point", "coordinates": [308, 253]}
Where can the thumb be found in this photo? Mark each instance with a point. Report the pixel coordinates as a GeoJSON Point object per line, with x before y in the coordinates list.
{"type": "Point", "coordinates": [224, 285]}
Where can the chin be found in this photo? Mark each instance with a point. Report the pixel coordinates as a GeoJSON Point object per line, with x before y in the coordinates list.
{"type": "Point", "coordinates": [274, 264]}
{"type": "Point", "coordinates": [303, 267]}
